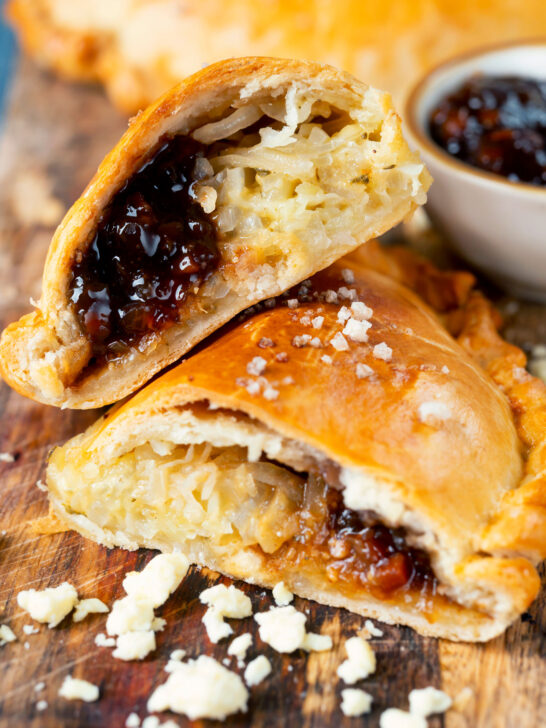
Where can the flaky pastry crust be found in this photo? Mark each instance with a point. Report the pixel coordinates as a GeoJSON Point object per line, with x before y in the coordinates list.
{"type": "Point", "coordinates": [443, 438]}
{"type": "Point", "coordinates": [45, 355]}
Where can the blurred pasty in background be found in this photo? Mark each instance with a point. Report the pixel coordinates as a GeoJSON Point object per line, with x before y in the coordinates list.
{"type": "Point", "coordinates": [140, 48]}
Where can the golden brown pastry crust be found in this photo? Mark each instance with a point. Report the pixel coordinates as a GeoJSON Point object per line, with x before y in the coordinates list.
{"type": "Point", "coordinates": [42, 356]}
{"type": "Point", "coordinates": [134, 47]}
{"type": "Point", "coordinates": [473, 485]}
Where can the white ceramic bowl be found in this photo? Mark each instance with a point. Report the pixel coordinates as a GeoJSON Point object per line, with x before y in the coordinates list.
{"type": "Point", "coordinates": [498, 225]}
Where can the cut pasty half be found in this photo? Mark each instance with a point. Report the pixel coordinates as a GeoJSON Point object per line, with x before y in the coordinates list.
{"type": "Point", "coordinates": [240, 182]}
{"type": "Point", "coordinates": [342, 442]}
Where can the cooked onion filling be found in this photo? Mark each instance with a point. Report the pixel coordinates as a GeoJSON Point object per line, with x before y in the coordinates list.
{"type": "Point", "coordinates": [176, 494]}
{"type": "Point", "coordinates": [235, 208]}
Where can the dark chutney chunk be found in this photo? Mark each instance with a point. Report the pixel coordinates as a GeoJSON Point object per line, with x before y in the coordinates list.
{"type": "Point", "coordinates": [497, 124]}
{"type": "Point", "coordinates": [153, 246]}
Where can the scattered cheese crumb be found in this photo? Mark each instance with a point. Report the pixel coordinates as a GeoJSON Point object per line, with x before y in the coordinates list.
{"type": "Point", "coordinates": [300, 341]}
{"type": "Point", "coordinates": [348, 275]}
{"type": "Point", "coordinates": [283, 628]}
{"type": "Point", "coordinates": [372, 629]}
{"type": "Point", "coordinates": [101, 640]}
{"type": "Point", "coordinates": [355, 702]}
{"type": "Point", "coordinates": [41, 705]}
{"type": "Point", "coordinates": [395, 718]}
{"type": "Point", "coordinates": [326, 359]}
{"type": "Point", "coordinates": [330, 296]}
{"type": "Point", "coordinates": [317, 642]}
{"type": "Point", "coordinates": [27, 645]}
{"type": "Point", "coordinates": [265, 343]}
{"type": "Point", "coordinates": [30, 629]}
{"type": "Point", "coordinates": [39, 687]}
{"type": "Point", "coordinates": [238, 648]}
{"type": "Point", "coordinates": [177, 655]}
{"type": "Point", "coordinates": [305, 320]}
{"type": "Point", "coordinates": [382, 351]}
{"type": "Point", "coordinates": [317, 322]}
{"type": "Point", "coordinates": [427, 701]}
{"type": "Point", "coordinates": [134, 645]}
{"type": "Point", "coordinates": [282, 595]}
{"type": "Point", "coordinates": [360, 662]}
{"type": "Point", "coordinates": [257, 670]}
{"type": "Point", "coordinates": [130, 614]}
{"type": "Point", "coordinates": [75, 689]}
{"type": "Point", "coordinates": [363, 371]}
{"type": "Point", "coordinates": [431, 413]}
{"type": "Point", "coordinates": [7, 457]}
{"type": "Point", "coordinates": [256, 366]}
{"type": "Point", "coordinates": [201, 688]}
{"type": "Point", "coordinates": [270, 392]}
{"type": "Point", "coordinates": [347, 293]}
{"type": "Point", "coordinates": [133, 721]}
{"type": "Point", "coordinates": [339, 342]}
{"type": "Point", "coordinates": [360, 311]}
{"type": "Point", "coordinates": [159, 578]}
{"type": "Point", "coordinates": [6, 635]}
{"type": "Point", "coordinates": [445, 370]}
{"type": "Point", "coordinates": [316, 342]}
{"type": "Point", "coordinates": [292, 303]}
{"type": "Point", "coordinates": [49, 605]}
{"type": "Point", "coordinates": [223, 602]}
{"type": "Point", "coordinates": [89, 606]}
{"type": "Point", "coordinates": [343, 314]}
{"type": "Point", "coordinates": [357, 330]}
{"type": "Point", "coordinates": [152, 721]}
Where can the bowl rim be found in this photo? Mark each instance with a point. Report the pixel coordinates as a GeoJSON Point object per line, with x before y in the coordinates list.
{"type": "Point", "coordinates": [442, 156]}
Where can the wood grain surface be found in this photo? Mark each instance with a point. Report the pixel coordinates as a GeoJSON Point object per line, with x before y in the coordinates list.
{"type": "Point", "coordinates": [54, 137]}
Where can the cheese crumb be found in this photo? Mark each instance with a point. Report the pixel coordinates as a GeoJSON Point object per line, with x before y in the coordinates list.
{"type": "Point", "coordinates": [29, 629]}
{"type": "Point", "coordinates": [7, 457]}
{"type": "Point", "coordinates": [282, 595]}
{"type": "Point", "coordinates": [151, 721]}
{"type": "Point", "coordinates": [271, 393]}
{"type": "Point", "coordinates": [427, 701]}
{"type": "Point", "coordinates": [372, 629]}
{"type": "Point", "coordinates": [360, 311]}
{"type": "Point", "coordinates": [360, 661]}
{"type": "Point", "coordinates": [445, 370]}
{"type": "Point", "coordinates": [75, 689]}
{"type": "Point", "coordinates": [330, 296]}
{"type": "Point", "coordinates": [130, 614]}
{"type": "Point", "coordinates": [343, 314]}
{"type": "Point", "coordinates": [134, 645]}
{"type": "Point", "coordinates": [88, 606]}
{"type": "Point", "coordinates": [223, 602]}
{"type": "Point", "coordinates": [238, 648]}
{"type": "Point", "coordinates": [49, 605]}
{"type": "Point", "coordinates": [201, 688]}
{"type": "Point", "coordinates": [347, 293]}
{"type": "Point", "coordinates": [363, 371]}
{"type": "Point", "coordinates": [292, 303]}
{"type": "Point", "coordinates": [357, 330]}
{"type": "Point", "coordinates": [326, 359]}
{"type": "Point", "coordinates": [316, 342]}
{"type": "Point", "coordinates": [41, 705]}
{"type": "Point", "coordinates": [256, 366]}
{"type": "Point", "coordinates": [317, 322]}
{"type": "Point", "coordinates": [101, 640]}
{"type": "Point", "coordinates": [355, 702]}
{"type": "Point", "coordinates": [339, 342]}
{"type": "Point", "coordinates": [300, 341]}
{"type": "Point", "coordinates": [317, 642]}
{"type": "Point", "coordinates": [177, 655]}
{"type": "Point", "coordinates": [283, 628]}
{"type": "Point", "coordinates": [6, 635]}
{"type": "Point", "coordinates": [159, 578]}
{"type": "Point", "coordinates": [305, 320]}
{"type": "Point", "coordinates": [395, 718]}
{"type": "Point", "coordinates": [431, 413]}
{"type": "Point", "coordinates": [348, 275]}
{"type": "Point", "coordinates": [257, 670]}
{"type": "Point", "coordinates": [133, 721]}
{"type": "Point", "coordinates": [382, 351]}
{"type": "Point", "coordinates": [39, 687]}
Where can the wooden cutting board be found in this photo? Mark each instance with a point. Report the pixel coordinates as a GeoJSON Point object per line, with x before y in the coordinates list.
{"type": "Point", "coordinates": [54, 136]}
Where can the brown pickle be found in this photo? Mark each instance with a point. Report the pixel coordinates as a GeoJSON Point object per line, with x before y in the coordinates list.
{"type": "Point", "coordinates": [497, 124]}
{"type": "Point", "coordinates": [154, 245]}
{"type": "Point", "coordinates": [356, 550]}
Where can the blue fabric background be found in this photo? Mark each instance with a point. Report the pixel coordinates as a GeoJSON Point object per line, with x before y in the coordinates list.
{"type": "Point", "coordinates": [7, 60]}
